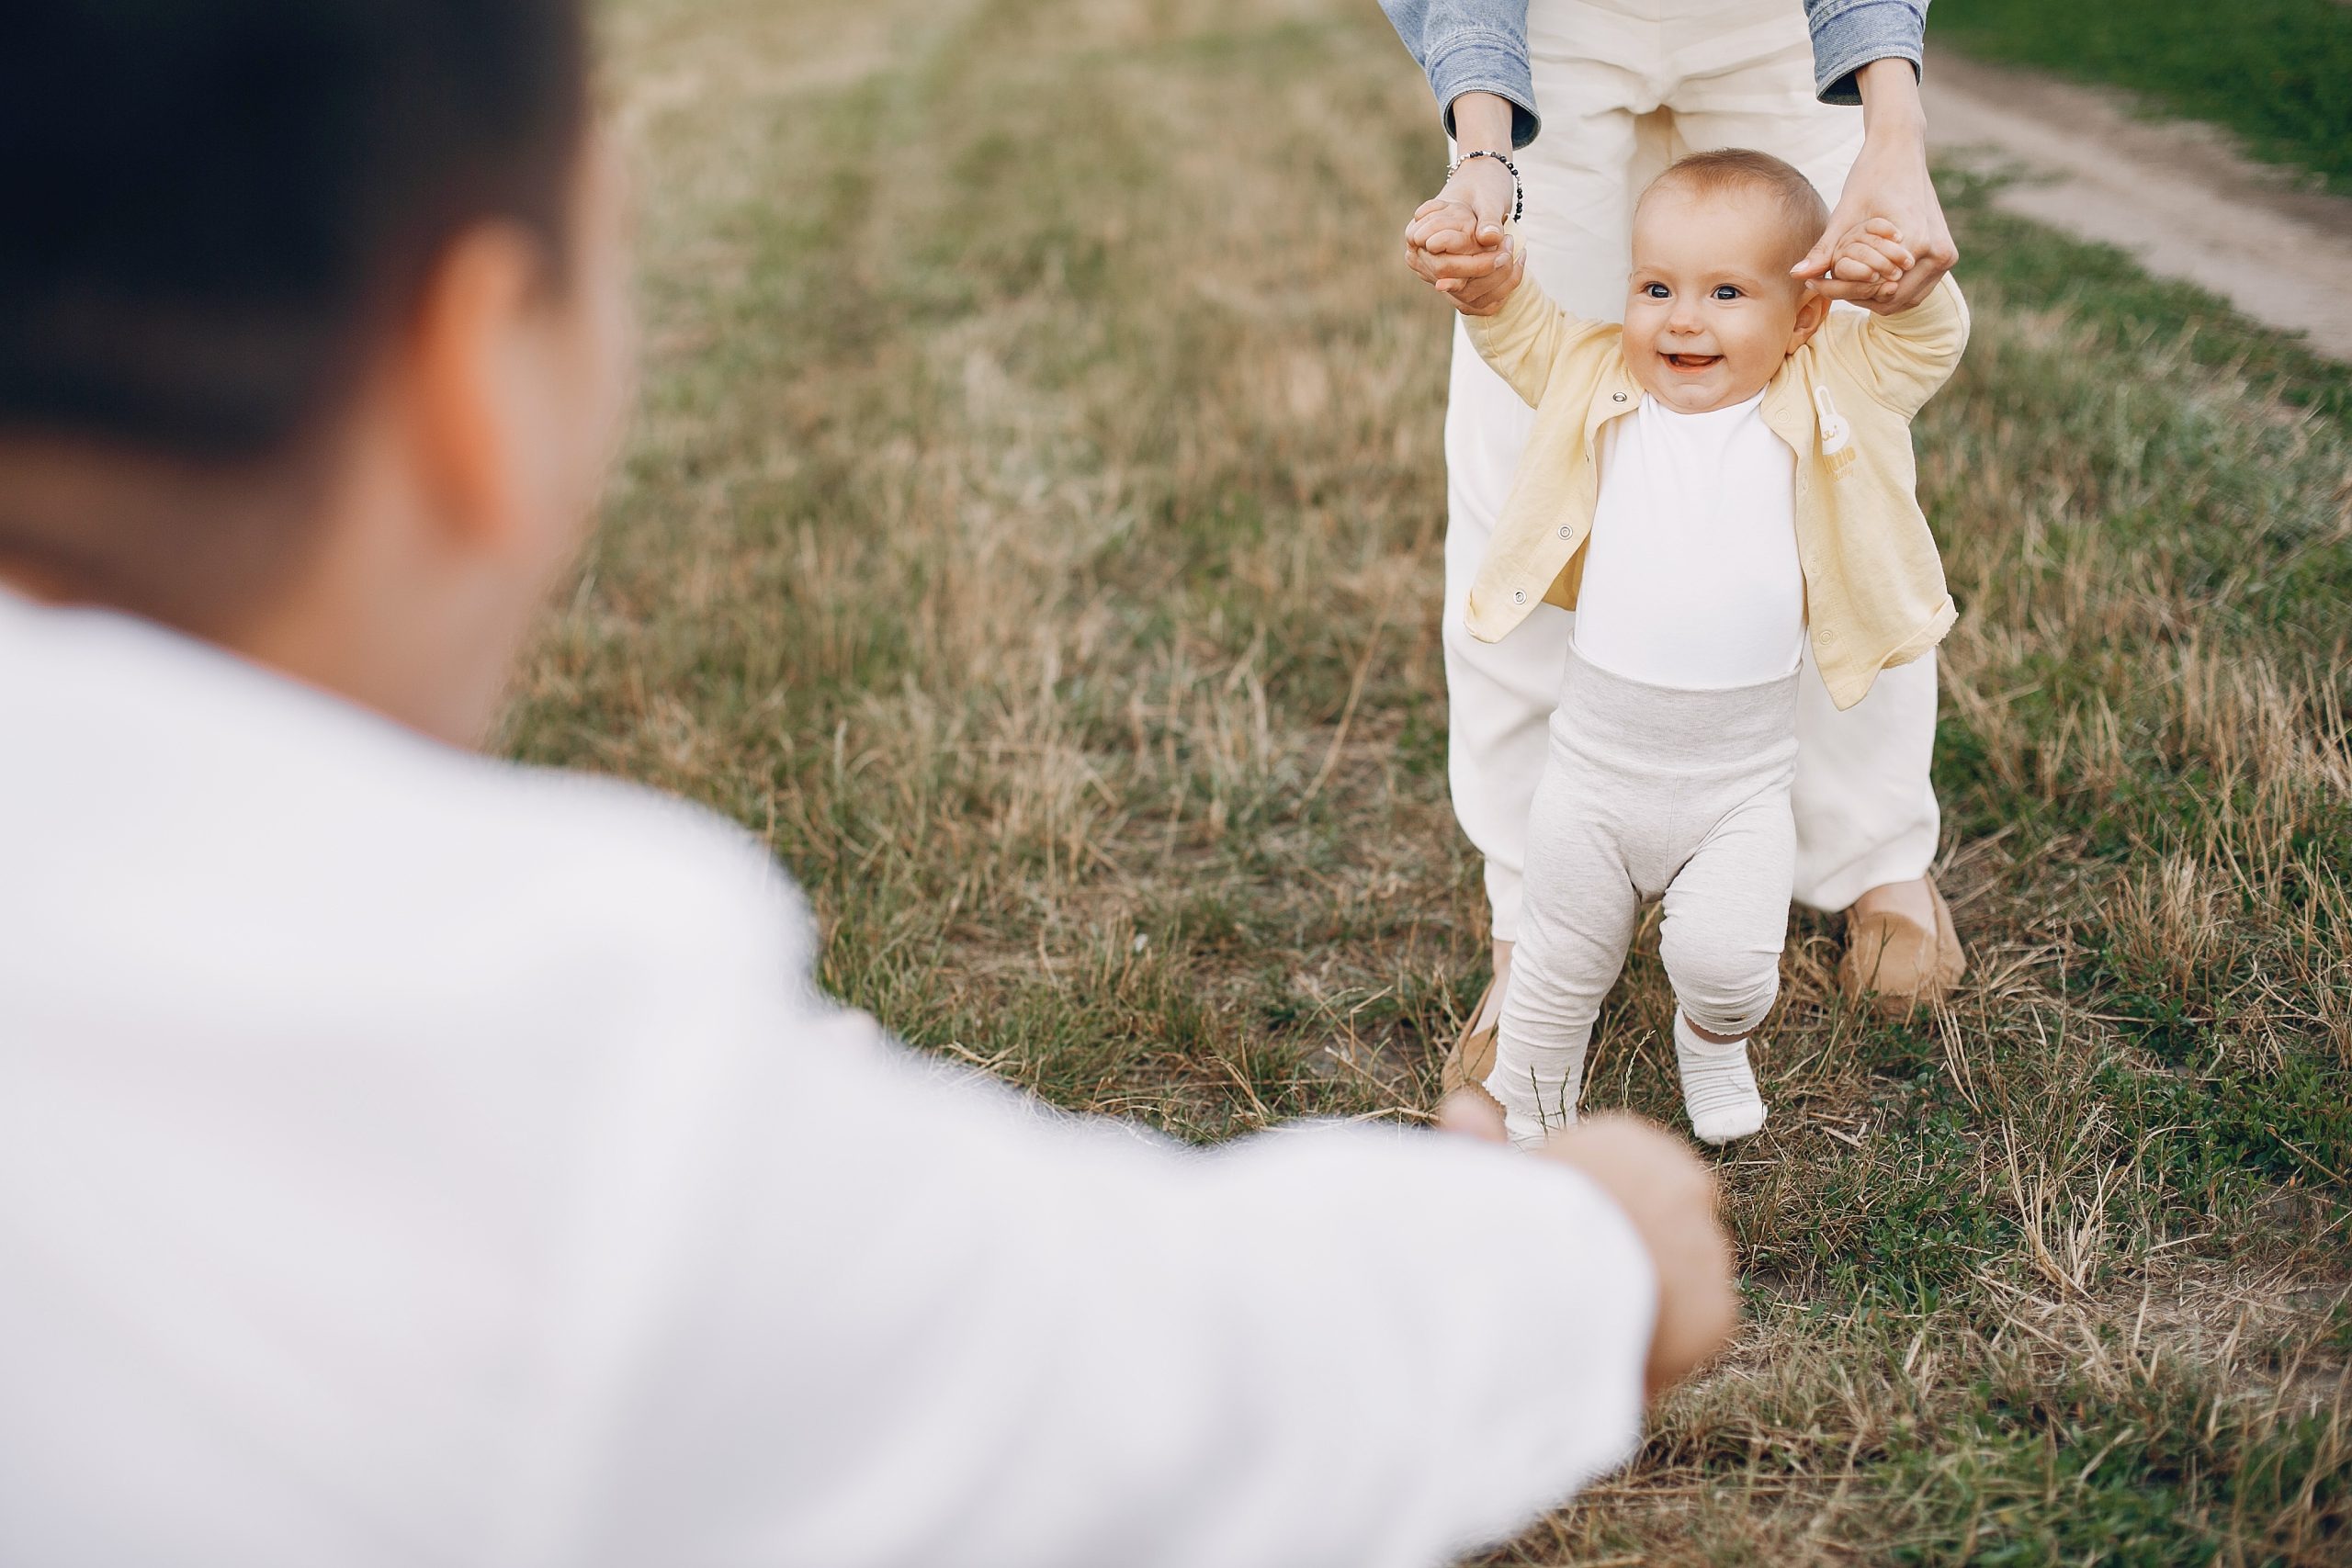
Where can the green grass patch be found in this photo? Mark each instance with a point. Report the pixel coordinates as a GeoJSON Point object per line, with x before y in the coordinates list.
{"type": "Point", "coordinates": [2277, 72]}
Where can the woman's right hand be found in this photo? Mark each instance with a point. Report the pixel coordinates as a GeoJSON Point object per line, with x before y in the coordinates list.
{"type": "Point", "coordinates": [1455, 242]}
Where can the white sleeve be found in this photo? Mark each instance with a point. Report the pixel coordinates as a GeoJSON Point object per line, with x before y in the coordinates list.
{"type": "Point", "coordinates": [877, 1311]}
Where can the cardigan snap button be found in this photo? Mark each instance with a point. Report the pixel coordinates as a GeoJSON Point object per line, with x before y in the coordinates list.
{"type": "Point", "coordinates": [1618, 397]}
{"type": "Point", "coordinates": [1565, 530]}
{"type": "Point", "coordinates": [1519, 596]}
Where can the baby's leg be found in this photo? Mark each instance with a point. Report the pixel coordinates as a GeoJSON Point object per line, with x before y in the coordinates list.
{"type": "Point", "coordinates": [1726, 920]}
{"type": "Point", "coordinates": [1576, 921]}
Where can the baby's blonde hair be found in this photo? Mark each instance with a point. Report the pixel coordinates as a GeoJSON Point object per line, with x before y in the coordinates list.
{"type": "Point", "coordinates": [1803, 214]}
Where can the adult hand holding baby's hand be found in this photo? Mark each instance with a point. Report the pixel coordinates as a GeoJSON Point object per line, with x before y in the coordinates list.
{"type": "Point", "coordinates": [1873, 254]}
{"type": "Point", "coordinates": [1474, 277]}
{"type": "Point", "coordinates": [1889, 180]}
{"type": "Point", "coordinates": [1668, 1194]}
{"type": "Point", "coordinates": [1455, 240]}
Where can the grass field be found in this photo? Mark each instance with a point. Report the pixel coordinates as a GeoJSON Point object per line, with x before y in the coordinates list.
{"type": "Point", "coordinates": [2277, 72]}
{"type": "Point", "coordinates": [1031, 530]}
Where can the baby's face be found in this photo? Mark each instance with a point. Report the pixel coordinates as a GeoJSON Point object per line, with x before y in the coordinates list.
{"type": "Point", "coordinates": [1711, 311]}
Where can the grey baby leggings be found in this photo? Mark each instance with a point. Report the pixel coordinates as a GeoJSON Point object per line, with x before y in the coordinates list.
{"type": "Point", "coordinates": [1649, 792]}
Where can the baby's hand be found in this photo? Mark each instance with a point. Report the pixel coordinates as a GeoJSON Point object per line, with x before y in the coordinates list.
{"type": "Point", "coordinates": [1474, 265]}
{"type": "Point", "coordinates": [1873, 252]}
{"type": "Point", "coordinates": [1501, 284]}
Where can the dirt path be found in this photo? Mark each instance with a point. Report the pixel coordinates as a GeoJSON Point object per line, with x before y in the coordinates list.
{"type": "Point", "coordinates": [2178, 196]}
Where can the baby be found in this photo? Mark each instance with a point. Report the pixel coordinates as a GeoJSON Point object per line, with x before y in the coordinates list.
{"type": "Point", "coordinates": [1727, 472]}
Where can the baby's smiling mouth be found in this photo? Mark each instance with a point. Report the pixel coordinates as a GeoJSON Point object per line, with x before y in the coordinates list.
{"type": "Point", "coordinates": [1692, 364]}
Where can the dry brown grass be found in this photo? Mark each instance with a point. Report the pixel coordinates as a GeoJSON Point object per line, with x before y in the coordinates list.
{"type": "Point", "coordinates": [1033, 531]}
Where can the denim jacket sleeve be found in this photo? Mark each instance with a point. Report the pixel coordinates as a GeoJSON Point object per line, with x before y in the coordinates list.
{"type": "Point", "coordinates": [1849, 34]}
{"type": "Point", "coordinates": [1471, 46]}
{"type": "Point", "coordinates": [1480, 46]}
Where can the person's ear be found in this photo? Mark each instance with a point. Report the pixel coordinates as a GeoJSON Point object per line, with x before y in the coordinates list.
{"type": "Point", "coordinates": [467, 382]}
{"type": "Point", "coordinates": [1812, 310]}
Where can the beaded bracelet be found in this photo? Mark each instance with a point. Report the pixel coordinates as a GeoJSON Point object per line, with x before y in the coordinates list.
{"type": "Point", "coordinates": [1518, 191]}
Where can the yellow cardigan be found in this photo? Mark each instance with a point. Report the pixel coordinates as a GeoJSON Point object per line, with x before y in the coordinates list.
{"type": "Point", "coordinates": [1873, 583]}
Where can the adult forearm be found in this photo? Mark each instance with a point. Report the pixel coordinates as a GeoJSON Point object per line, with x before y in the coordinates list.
{"type": "Point", "coordinates": [1482, 122]}
{"type": "Point", "coordinates": [957, 1330]}
{"type": "Point", "coordinates": [1464, 220]}
{"type": "Point", "coordinates": [1325, 1279]}
{"type": "Point", "coordinates": [1890, 181]}
{"type": "Point", "coordinates": [1323, 1347]}
{"type": "Point", "coordinates": [1891, 106]}
{"type": "Point", "coordinates": [1468, 48]}
{"type": "Point", "coordinates": [1850, 35]}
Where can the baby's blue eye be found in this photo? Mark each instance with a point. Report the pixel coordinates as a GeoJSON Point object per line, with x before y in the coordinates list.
{"type": "Point", "coordinates": [1655, 290]}
{"type": "Point", "coordinates": [1727, 291]}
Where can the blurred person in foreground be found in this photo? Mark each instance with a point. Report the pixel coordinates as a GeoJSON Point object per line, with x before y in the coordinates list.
{"type": "Point", "coordinates": [407, 1156]}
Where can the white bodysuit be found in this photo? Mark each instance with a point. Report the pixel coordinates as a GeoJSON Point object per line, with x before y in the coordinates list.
{"type": "Point", "coordinates": [1691, 577]}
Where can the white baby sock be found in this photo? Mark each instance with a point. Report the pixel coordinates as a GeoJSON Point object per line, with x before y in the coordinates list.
{"type": "Point", "coordinates": [1718, 1087]}
{"type": "Point", "coordinates": [1536, 1086]}
{"type": "Point", "coordinates": [1536, 1103]}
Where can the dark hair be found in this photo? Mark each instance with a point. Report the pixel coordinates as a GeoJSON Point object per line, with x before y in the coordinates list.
{"type": "Point", "coordinates": [210, 208]}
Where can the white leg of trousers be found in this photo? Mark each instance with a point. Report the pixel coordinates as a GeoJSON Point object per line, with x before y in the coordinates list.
{"type": "Point", "coordinates": [1500, 695]}
{"type": "Point", "coordinates": [1866, 813]}
{"type": "Point", "coordinates": [1624, 88]}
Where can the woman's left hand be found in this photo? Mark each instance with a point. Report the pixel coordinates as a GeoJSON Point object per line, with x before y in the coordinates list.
{"type": "Point", "coordinates": [1890, 181]}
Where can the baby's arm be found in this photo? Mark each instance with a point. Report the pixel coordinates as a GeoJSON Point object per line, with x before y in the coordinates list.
{"type": "Point", "coordinates": [1906, 356]}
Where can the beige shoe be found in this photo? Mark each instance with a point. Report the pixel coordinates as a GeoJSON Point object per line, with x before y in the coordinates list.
{"type": "Point", "coordinates": [1895, 964]}
{"type": "Point", "coordinates": [1473, 1057]}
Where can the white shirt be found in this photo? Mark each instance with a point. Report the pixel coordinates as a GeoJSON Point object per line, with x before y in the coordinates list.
{"type": "Point", "coordinates": [1691, 576]}
{"type": "Point", "coordinates": [410, 1158]}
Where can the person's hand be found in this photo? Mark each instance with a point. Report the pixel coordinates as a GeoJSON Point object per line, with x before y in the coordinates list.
{"type": "Point", "coordinates": [1670, 1200]}
{"type": "Point", "coordinates": [1474, 276]}
{"type": "Point", "coordinates": [1455, 236]}
{"type": "Point", "coordinates": [1455, 242]}
{"type": "Point", "coordinates": [1873, 253]}
{"type": "Point", "coordinates": [1670, 1195]}
{"type": "Point", "coordinates": [1472, 1113]}
{"type": "Point", "coordinates": [1890, 180]}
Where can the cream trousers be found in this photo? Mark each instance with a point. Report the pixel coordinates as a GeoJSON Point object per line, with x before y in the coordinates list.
{"type": "Point", "coordinates": [1625, 86]}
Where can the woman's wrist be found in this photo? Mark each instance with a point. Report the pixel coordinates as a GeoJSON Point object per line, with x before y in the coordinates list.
{"type": "Point", "coordinates": [1482, 178]}
{"type": "Point", "coordinates": [1481, 123]}
{"type": "Point", "coordinates": [1502, 160]}
{"type": "Point", "coordinates": [1890, 105]}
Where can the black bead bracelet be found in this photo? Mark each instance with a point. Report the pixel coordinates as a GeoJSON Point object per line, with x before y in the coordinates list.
{"type": "Point", "coordinates": [1517, 190]}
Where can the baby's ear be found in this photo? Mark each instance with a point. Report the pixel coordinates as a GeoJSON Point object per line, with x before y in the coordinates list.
{"type": "Point", "coordinates": [1812, 310]}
